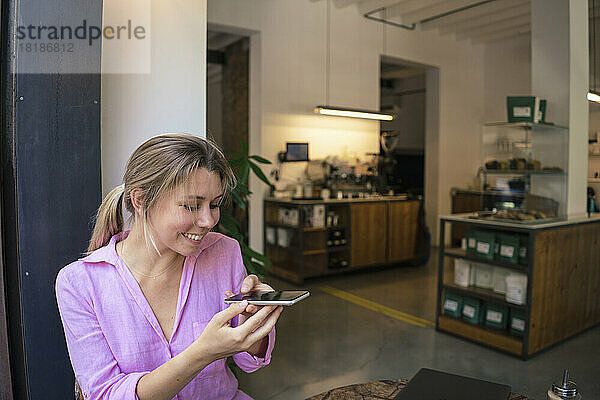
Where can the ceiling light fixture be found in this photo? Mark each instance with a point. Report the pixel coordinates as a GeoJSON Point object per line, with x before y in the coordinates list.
{"type": "Point", "coordinates": [341, 111]}
{"type": "Point", "coordinates": [353, 113]}
{"type": "Point", "coordinates": [593, 96]}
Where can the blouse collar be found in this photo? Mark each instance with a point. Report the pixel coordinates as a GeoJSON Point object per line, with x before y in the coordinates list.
{"type": "Point", "coordinates": [108, 253]}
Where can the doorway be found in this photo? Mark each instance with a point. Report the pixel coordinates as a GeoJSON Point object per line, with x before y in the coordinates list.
{"type": "Point", "coordinates": [409, 145]}
{"type": "Point", "coordinates": [227, 99]}
{"type": "Point", "coordinates": [402, 140]}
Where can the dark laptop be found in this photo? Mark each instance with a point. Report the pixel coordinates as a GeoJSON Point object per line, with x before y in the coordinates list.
{"type": "Point", "coordinates": [429, 384]}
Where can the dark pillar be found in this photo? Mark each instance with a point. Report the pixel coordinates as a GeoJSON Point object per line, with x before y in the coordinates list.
{"type": "Point", "coordinates": [51, 188]}
{"type": "Point", "coordinates": [235, 95]}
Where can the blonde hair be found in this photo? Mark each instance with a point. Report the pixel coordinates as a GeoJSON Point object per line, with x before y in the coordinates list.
{"type": "Point", "coordinates": [158, 166]}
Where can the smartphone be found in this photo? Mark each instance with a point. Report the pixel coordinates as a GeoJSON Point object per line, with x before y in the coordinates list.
{"type": "Point", "coordinates": [281, 298]}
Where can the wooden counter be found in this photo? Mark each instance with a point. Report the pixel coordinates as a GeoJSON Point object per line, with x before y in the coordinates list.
{"type": "Point", "coordinates": [563, 279]}
{"type": "Point", "coordinates": [365, 233]}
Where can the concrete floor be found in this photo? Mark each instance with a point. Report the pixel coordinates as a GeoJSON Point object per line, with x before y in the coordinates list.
{"type": "Point", "coordinates": [326, 342]}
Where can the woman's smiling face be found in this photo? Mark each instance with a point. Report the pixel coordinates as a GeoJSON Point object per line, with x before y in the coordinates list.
{"type": "Point", "coordinates": [183, 217]}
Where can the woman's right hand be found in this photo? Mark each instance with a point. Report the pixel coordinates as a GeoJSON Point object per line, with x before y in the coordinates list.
{"type": "Point", "coordinates": [220, 340]}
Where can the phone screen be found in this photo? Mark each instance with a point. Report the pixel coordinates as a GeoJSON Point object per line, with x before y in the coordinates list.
{"type": "Point", "coordinates": [281, 297]}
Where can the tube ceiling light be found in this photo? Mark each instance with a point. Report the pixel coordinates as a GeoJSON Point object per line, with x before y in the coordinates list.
{"type": "Point", "coordinates": [353, 113]}
{"type": "Point", "coordinates": [339, 111]}
{"type": "Point", "coordinates": [593, 96]}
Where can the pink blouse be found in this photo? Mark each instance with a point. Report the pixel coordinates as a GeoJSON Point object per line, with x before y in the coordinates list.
{"type": "Point", "coordinates": [114, 338]}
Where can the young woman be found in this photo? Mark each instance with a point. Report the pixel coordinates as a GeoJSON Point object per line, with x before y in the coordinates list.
{"type": "Point", "coordinates": [143, 313]}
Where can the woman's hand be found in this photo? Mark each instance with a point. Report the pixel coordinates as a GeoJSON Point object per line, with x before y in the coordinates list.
{"type": "Point", "coordinates": [220, 340]}
{"type": "Point", "coordinates": [252, 283]}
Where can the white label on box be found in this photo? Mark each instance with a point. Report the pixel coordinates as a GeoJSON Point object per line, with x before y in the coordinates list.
{"type": "Point", "coordinates": [483, 247]}
{"type": "Point", "coordinates": [494, 316]}
{"type": "Point", "coordinates": [450, 305]}
{"type": "Point", "coordinates": [517, 324]}
{"type": "Point", "coordinates": [515, 295]}
{"type": "Point", "coordinates": [522, 111]}
{"type": "Point", "coordinates": [507, 251]}
{"type": "Point", "coordinates": [472, 243]}
{"type": "Point", "coordinates": [469, 311]}
{"type": "Point", "coordinates": [523, 252]}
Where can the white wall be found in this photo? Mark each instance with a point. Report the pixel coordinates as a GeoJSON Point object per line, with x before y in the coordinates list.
{"type": "Point", "coordinates": [507, 73]}
{"type": "Point", "coordinates": [169, 99]}
{"type": "Point", "coordinates": [293, 57]}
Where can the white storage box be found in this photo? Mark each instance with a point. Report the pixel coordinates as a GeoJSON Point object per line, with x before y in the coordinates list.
{"type": "Point", "coordinates": [293, 218]}
{"type": "Point", "coordinates": [284, 237]}
{"type": "Point", "coordinates": [462, 272]}
{"type": "Point", "coordinates": [499, 277]}
{"type": "Point", "coordinates": [484, 276]}
{"type": "Point", "coordinates": [516, 288]}
{"type": "Point", "coordinates": [270, 234]}
{"type": "Point", "coordinates": [473, 274]}
{"type": "Point", "coordinates": [318, 215]}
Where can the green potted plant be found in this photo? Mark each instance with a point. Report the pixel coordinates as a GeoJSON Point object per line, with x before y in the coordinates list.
{"type": "Point", "coordinates": [255, 262]}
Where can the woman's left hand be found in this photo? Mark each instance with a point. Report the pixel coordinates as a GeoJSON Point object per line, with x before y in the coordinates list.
{"type": "Point", "coordinates": [252, 283]}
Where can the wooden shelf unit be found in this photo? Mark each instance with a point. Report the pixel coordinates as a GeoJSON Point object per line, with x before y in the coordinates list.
{"type": "Point", "coordinates": [487, 295]}
{"type": "Point", "coordinates": [481, 334]}
{"type": "Point", "coordinates": [562, 279]}
{"type": "Point", "coordinates": [376, 232]}
{"type": "Point", "coordinates": [460, 253]}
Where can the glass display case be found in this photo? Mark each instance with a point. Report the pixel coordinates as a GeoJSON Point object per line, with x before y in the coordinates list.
{"type": "Point", "coordinates": [527, 159]}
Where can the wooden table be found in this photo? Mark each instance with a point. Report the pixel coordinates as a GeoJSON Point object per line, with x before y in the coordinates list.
{"type": "Point", "coordinates": [377, 390]}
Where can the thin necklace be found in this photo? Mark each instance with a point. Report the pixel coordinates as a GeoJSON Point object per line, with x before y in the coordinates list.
{"type": "Point", "coordinates": [146, 275]}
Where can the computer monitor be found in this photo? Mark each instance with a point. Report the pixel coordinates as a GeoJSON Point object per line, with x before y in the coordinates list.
{"type": "Point", "coordinates": [296, 151]}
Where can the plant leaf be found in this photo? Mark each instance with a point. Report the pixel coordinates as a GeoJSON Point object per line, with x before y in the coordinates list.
{"type": "Point", "coordinates": [260, 159]}
{"type": "Point", "coordinates": [238, 199]}
{"type": "Point", "coordinates": [254, 262]}
{"type": "Point", "coordinates": [259, 173]}
{"type": "Point", "coordinates": [244, 172]}
{"type": "Point", "coordinates": [258, 256]}
{"type": "Point", "coordinates": [230, 225]}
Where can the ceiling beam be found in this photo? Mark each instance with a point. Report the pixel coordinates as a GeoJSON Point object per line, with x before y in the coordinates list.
{"type": "Point", "coordinates": [475, 12]}
{"type": "Point", "coordinates": [365, 6]}
{"type": "Point", "coordinates": [521, 30]}
{"type": "Point", "coordinates": [410, 6]}
{"type": "Point", "coordinates": [505, 25]}
{"type": "Point", "coordinates": [344, 3]}
{"type": "Point", "coordinates": [433, 10]}
{"type": "Point", "coordinates": [485, 20]}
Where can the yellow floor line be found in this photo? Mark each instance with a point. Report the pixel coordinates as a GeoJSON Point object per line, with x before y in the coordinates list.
{"type": "Point", "coordinates": [371, 305]}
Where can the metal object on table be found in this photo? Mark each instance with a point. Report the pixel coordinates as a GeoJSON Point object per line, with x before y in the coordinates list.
{"type": "Point", "coordinates": [566, 389]}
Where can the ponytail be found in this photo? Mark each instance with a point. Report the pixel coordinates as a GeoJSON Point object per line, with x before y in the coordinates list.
{"type": "Point", "coordinates": [109, 219]}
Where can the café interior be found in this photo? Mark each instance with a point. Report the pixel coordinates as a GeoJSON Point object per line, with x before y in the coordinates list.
{"type": "Point", "coordinates": [427, 169]}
